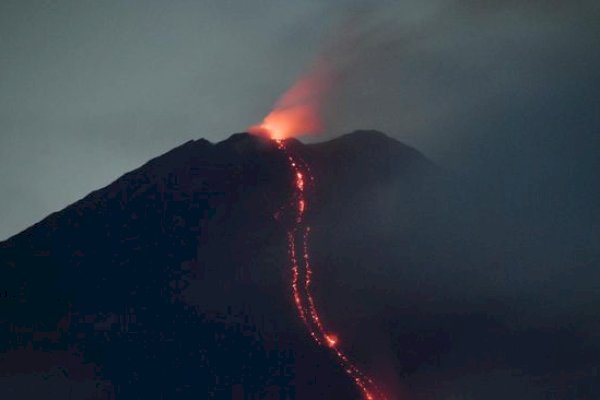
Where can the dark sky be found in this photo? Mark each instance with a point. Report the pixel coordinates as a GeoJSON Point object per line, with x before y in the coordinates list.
{"type": "Point", "coordinates": [502, 89]}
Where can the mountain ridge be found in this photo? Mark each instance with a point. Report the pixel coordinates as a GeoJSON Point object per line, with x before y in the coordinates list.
{"type": "Point", "coordinates": [156, 164]}
{"type": "Point", "coordinates": [182, 263]}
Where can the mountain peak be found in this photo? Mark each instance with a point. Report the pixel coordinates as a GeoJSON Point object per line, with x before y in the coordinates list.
{"type": "Point", "coordinates": [367, 134]}
{"type": "Point", "coordinates": [246, 143]}
{"type": "Point", "coordinates": [196, 240]}
{"type": "Point", "coordinates": [246, 140]}
{"type": "Point", "coordinates": [368, 138]}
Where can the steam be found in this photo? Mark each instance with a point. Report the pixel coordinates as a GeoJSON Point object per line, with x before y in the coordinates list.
{"type": "Point", "coordinates": [299, 110]}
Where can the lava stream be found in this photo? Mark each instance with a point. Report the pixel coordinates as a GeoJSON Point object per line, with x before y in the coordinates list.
{"type": "Point", "coordinates": [298, 238]}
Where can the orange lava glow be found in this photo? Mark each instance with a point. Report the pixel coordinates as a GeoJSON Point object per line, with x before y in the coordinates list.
{"type": "Point", "coordinates": [298, 250]}
{"type": "Point", "coordinates": [331, 340]}
{"type": "Point", "coordinates": [297, 112]}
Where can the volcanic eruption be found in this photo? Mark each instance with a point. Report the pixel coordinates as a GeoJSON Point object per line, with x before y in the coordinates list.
{"type": "Point", "coordinates": [297, 113]}
{"type": "Point", "coordinates": [199, 240]}
{"type": "Point", "coordinates": [171, 282]}
{"type": "Point", "coordinates": [298, 110]}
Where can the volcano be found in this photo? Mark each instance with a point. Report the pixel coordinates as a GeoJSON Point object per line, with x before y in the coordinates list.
{"type": "Point", "coordinates": [173, 281]}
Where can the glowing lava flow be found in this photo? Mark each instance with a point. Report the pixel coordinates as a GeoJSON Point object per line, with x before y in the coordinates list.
{"type": "Point", "coordinates": [298, 238]}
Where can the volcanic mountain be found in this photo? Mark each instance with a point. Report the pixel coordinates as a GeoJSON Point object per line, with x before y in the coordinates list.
{"type": "Point", "coordinates": [173, 281]}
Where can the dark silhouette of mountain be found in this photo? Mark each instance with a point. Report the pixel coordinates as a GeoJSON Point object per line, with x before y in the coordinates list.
{"type": "Point", "coordinates": [173, 281]}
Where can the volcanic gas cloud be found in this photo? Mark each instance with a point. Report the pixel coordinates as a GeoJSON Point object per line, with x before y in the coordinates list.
{"type": "Point", "coordinates": [298, 110]}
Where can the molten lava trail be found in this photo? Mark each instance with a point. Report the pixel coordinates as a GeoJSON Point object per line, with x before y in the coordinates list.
{"type": "Point", "coordinates": [298, 238]}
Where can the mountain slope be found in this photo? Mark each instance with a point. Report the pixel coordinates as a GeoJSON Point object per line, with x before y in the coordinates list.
{"type": "Point", "coordinates": [173, 281]}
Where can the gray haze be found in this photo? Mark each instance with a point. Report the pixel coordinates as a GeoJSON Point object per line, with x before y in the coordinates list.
{"type": "Point", "coordinates": [90, 90]}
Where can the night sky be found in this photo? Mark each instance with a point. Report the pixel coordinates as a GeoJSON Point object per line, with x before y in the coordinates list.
{"type": "Point", "coordinates": [90, 90]}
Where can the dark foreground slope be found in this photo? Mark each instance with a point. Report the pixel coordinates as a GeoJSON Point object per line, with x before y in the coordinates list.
{"type": "Point", "coordinates": [173, 281]}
